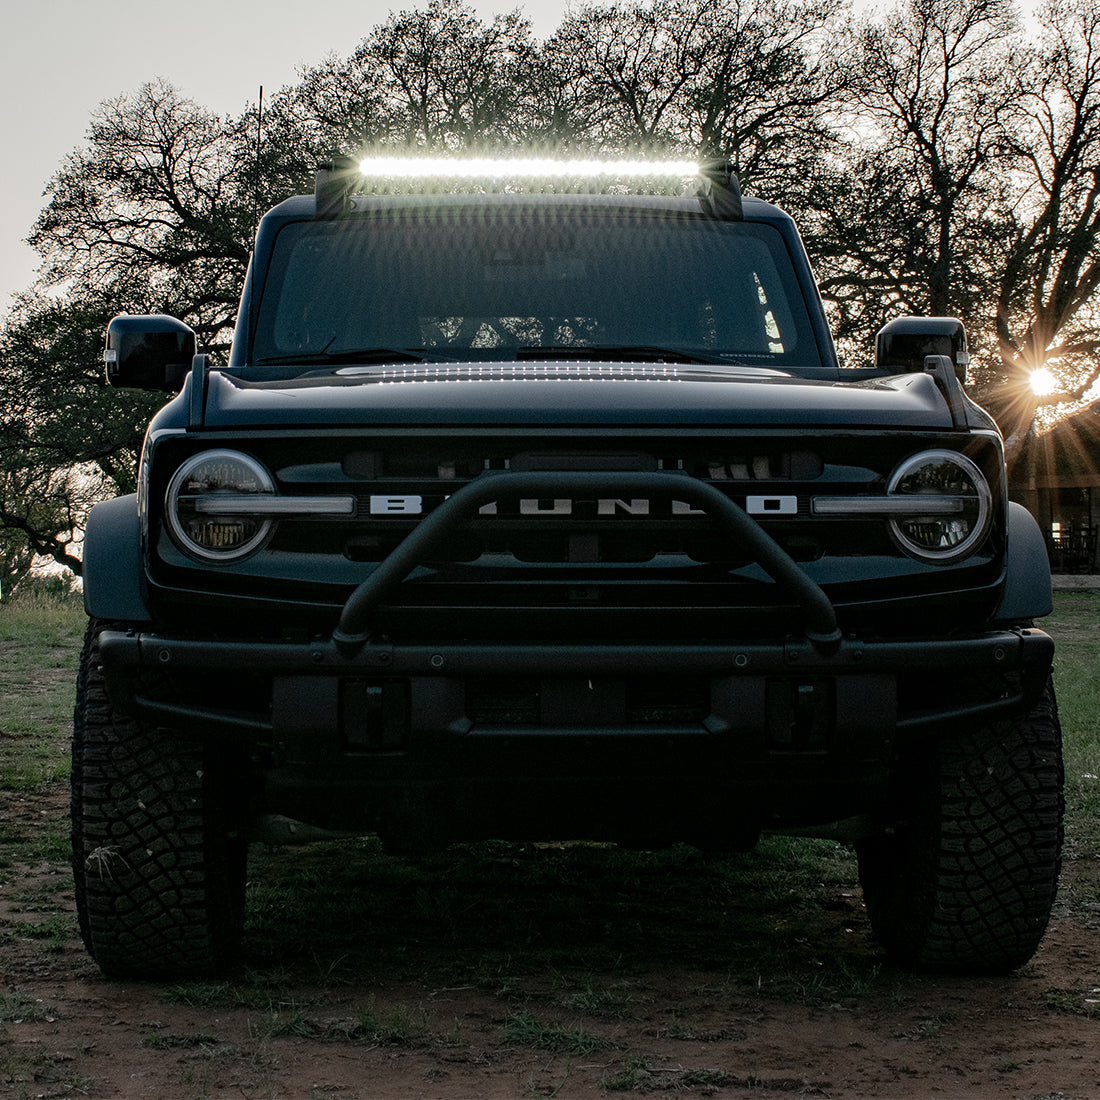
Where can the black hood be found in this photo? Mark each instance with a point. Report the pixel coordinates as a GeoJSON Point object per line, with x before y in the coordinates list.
{"type": "Point", "coordinates": [563, 394]}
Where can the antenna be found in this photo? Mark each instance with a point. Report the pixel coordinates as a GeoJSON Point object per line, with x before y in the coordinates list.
{"type": "Point", "coordinates": [257, 211]}
{"type": "Point", "coordinates": [256, 158]}
{"type": "Point", "coordinates": [259, 129]}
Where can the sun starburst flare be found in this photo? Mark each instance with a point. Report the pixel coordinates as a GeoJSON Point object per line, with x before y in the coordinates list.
{"type": "Point", "coordinates": [1043, 382]}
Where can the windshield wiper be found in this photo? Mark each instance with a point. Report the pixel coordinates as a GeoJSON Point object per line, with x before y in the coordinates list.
{"type": "Point", "coordinates": [346, 355]}
{"type": "Point", "coordinates": [622, 353]}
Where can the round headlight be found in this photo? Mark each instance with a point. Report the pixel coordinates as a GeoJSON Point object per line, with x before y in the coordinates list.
{"type": "Point", "coordinates": [955, 515]}
{"type": "Point", "coordinates": [207, 505]}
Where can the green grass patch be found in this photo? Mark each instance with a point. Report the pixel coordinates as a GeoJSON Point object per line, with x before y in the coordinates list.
{"type": "Point", "coordinates": [27, 1074]}
{"type": "Point", "coordinates": [523, 1029]}
{"type": "Point", "coordinates": [54, 932]}
{"type": "Point", "coordinates": [1073, 1002]}
{"type": "Point", "coordinates": [40, 639]}
{"type": "Point", "coordinates": [266, 991]}
{"type": "Point", "coordinates": [600, 1003]}
{"type": "Point", "coordinates": [638, 1075]}
{"type": "Point", "coordinates": [17, 1007]}
{"type": "Point", "coordinates": [163, 1040]}
{"type": "Point", "coordinates": [1075, 627]}
{"type": "Point", "coordinates": [491, 915]}
{"type": "Point", "coordinates": [398, 1026]}
{"type": "Point", "coordinates": [37, 615]}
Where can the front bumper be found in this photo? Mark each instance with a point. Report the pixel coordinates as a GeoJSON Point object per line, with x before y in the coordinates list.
{"type": "Point", "coordinates": [394, 738]}
{"type": "Point", "coordinates": [757, 694]}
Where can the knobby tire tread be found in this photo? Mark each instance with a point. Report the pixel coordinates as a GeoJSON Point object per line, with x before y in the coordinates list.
{"type": "Point", "coordinates": [159, 880]}
{"type": "Point", "coordinates": [967, 880]}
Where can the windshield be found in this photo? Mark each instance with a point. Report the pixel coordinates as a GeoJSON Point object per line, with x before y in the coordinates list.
{"type": "Point", "coordinates": [499, 283]}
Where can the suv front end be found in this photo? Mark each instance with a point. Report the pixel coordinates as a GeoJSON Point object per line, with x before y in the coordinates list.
{"type": "Point", "coordinates": [554, 516]}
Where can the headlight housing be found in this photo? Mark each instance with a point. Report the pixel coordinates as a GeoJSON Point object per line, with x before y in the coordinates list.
{"type": "Point", "coordinates": [207, 506]}
{"type": "Point", "coordinates": [960, 506]}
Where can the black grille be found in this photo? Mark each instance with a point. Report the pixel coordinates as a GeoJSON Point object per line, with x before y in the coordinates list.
{"type": "Point", "coordinates": [592, 566]}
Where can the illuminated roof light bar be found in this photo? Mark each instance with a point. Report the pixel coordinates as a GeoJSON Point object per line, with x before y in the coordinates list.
{"type": "Point", "coordinates": [545, 167]}
{"type": "Point", "coordinates": [719, 191]}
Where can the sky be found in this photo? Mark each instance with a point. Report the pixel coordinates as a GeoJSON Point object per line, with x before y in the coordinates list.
{"type": "Point", "coordinates": [59, 59]}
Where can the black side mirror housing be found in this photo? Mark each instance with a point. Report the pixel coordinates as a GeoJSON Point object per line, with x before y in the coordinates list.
{"type": "Point", "coordinates": [148, 351]}
{"type": "Point", "coordinates": [903, 343]}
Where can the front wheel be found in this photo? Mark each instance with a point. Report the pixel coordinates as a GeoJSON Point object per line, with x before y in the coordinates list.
{"type": "Point", "coordinates": [159, 871]}
{"type": "Point", "coordinates": [965, 878]}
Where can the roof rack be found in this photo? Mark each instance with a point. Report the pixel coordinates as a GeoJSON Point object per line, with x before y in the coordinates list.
{"type": "Point", "coordinates": [720, 190]}
{"type": "Point", "coordinates": [338, 179]}
{"type": "Point", "coordinates": [333, 186]}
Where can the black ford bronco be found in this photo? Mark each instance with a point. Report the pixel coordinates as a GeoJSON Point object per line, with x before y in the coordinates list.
{"type": "Point", "coordinates": [549, 512]}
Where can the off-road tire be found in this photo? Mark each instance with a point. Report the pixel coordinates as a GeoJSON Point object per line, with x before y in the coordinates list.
{"type": "Point", "coordinates": [965, 878]}
{"type": "Point", "coordinates": [159, 870]}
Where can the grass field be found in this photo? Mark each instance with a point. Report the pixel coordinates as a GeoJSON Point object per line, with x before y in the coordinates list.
{"type": "Point", "coordinates": [550, 963]}
{"type": "Point", "coordinates": [1075, 627]}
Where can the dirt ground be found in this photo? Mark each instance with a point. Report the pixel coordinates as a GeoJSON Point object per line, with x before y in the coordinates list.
{"type": "Point", "coordinates": [342, 1020]}
{"type": "Point", "coordinates": [534, 973]}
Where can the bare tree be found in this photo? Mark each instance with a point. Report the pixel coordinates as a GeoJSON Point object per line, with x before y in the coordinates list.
{"type": "Point", "coordinates": [629, 65]}
{"type": "Point", "coordinates": [930, 92]}
{"type": "Point", "coordinates": [448, 79]}
{"type": "Point", "coordinates": [66, 438]}
{"type": "Point", "coordinates": [155, 205]}
{"type": "Point", "coordinates": [770, 73]}
{"type": "Point", "coordinates": [742, 78]}
{"type": "Point", "coordinates": [1047, 254]}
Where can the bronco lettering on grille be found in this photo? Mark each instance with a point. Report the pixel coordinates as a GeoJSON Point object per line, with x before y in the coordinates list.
{"type": "Point", "coordinates": [413, 505]}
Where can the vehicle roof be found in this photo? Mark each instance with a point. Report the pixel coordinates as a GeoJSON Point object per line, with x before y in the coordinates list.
{"type": "Point", "coordinates": [303, 206]}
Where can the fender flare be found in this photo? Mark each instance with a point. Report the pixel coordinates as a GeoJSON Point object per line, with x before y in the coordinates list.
{"type": "Point", "coordinates": [1027, 594]}
{"type": "Point", "coordinates": [114, 567]}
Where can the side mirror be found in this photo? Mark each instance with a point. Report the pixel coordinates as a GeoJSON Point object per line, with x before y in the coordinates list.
{"type": "Point", "coordinates": [148, 351]}
{"type": "Point", "coordinates": [903, 343]}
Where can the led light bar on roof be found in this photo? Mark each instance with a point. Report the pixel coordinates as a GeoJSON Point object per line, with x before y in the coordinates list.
{"type": "Point", "coordinates": [718, 190]}
{"type": "Point", "coordinates": [491, 167]}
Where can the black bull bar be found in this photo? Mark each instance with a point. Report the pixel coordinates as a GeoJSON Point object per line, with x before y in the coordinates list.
{"type": "Point", "coordinates": [352, 631]}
